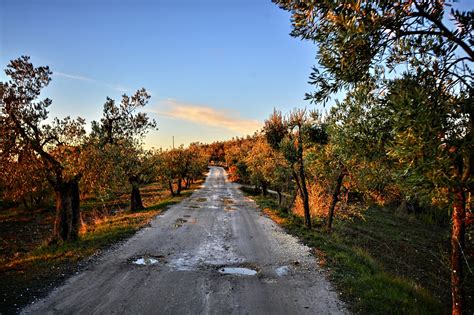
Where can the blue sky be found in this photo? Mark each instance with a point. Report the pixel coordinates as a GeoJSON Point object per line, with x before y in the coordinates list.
{"type": "Point", "coordinates": [215, 68]}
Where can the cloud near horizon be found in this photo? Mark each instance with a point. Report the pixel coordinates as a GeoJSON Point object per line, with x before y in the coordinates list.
{"type": "Point", "coordinates": [208, 116]}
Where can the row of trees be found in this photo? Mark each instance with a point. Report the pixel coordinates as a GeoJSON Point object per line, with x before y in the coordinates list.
{"type": "Point", "coordinates": [40, 156]}
{"type": "Point", "coordinates": [406, 125]}
{"type": "Point", "coordinates": [404, 131]}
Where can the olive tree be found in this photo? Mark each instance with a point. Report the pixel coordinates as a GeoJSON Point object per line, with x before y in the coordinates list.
{"type": "Point", "coordinates": [56, 145]}
{"type": "Point", "coordinates": [119, 136]}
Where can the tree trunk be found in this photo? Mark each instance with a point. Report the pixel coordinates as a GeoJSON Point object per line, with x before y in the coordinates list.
{"type": "Point", "coordinates": [335, 195]}
{"type": "Point", "coordinates": [279, 198]}
{"type": "Point", "coordinates": [304, 188]}
{"type": "Point", "coordinates": [264, 189]}
{"type": "Point", "coordinates": [178, 191]}
{"type": "Point", "coordinates": [304, 196]}
{"type": "Point", "coordinates": [170, 185]}
{"type": "Point", "coordinates": [67, 222]}
{"type": "Point", "coordinates": [457, 243]}
{"type": "Point", "coordinates": [136, 203]}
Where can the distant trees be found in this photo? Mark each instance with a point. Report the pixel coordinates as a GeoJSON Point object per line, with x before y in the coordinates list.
{"type": "Point", "coordinates": [179, 167]}
{"type": "Point", "coordinates": [268, 167]}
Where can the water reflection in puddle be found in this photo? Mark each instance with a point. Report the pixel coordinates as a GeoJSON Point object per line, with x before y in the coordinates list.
{"type": "Point", "coordinates": [238, 271]}
{"type": "Point", "coordinates": [282, 271]}
{"type": "Point", "coordinates": [145, 261]}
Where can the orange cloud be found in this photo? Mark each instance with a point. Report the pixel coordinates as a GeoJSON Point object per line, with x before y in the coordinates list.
{"type": "Point", "coordinates": [206, 115]}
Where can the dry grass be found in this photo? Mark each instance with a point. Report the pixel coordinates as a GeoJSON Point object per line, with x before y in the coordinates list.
{"type": "Point", "coordinates": [275, 216]}
{"type": "Point", "coordinates": [319, 202]}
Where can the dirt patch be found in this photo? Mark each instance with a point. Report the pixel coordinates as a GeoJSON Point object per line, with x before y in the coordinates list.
{"type": "Point", "coordinates": [179, 222]}
{"type": "Point", "coordinates": [228, 201]}
{"type": "Point", "coordinates": [201, 199]}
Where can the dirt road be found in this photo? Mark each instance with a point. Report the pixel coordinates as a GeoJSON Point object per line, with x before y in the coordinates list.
{"type": "Point", "coordinates": [214, 253]}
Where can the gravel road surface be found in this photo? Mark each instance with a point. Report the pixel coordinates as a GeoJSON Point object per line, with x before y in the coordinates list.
{"type": "Point", "coordinates": [214, 253]}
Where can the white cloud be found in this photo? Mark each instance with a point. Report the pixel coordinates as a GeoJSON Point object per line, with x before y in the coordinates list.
{"type": "Point", "coordinates": [71, 76]}
{"type": "Point", "coordinates": [116, 87]}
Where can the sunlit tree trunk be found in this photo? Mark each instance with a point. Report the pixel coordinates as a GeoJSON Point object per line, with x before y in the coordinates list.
{"type": "Point", "coordinates": [303, 191]}
{"type": "Point", "coordinates": [67, 222]}
{"type": "Point", "coordinates": [457, 243]}
{"type": "Point", "coordinates": [335, 195]}
{"type": "Point", "coordinates": [307, 215]}
{"type": "Point", "coordinates": [304, 188]}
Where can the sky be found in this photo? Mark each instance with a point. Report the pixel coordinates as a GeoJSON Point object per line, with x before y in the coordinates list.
{"type": "Point", "coordinates": [215, 69]}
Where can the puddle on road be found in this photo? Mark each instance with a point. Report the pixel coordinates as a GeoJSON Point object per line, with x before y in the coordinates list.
{"type": "Point", "coordinates": [145, 261]}
{"type": "Point", "coordinates": [238, 271]}
{"type": "Point", "coordinates": [282, 271]}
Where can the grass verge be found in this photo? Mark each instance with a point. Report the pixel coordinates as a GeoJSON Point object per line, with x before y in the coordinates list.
{"type": "Point", "coordinates": [381, 264]}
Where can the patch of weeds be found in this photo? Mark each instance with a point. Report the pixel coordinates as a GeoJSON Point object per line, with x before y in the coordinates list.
{"type": "Point", "coordinates": [201, 199]}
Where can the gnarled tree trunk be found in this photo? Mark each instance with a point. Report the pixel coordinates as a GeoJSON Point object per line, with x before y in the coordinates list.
{"type": "Point", "coordinates": [178, 190]}
{"type": "Point", "coordinates": [335, 195]}
{"type": "Point", "coordinates": [68, 216]}
{"type": "Point", "coordinates": [305, 196]}
{"type": "Point", "coordinates": [136, 203]}
{"type": "Point", "coordinates": [170, 185]}
{"type": "Point", "coordinates": [303, 190]}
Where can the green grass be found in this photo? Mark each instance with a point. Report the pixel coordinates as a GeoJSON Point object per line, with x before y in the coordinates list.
{"type": "Point", "coordinates": [381, 264]}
